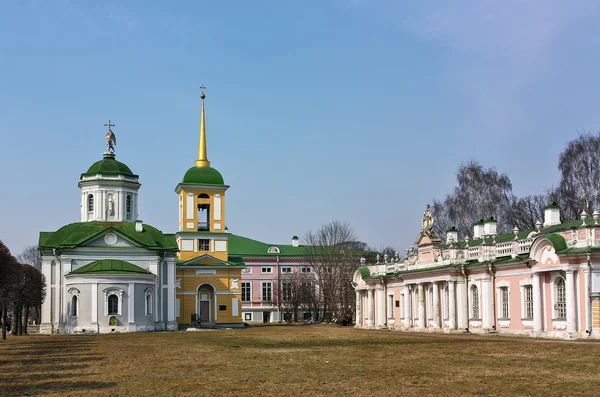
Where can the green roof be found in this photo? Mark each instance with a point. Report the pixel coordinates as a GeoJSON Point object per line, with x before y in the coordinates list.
{"type": "Point", "coordinates": [202, 176]}
{"type": "Point", "coordinates": [110, 266]}
{"type": "Point", "coordinates": [558, 241]}
{"type": "Point", "coordinates": [364, 272]}
{"type": "Point", "coordinates": [242, 246]}
{"type": "Point", "coordinates": [108, 165]}
{"type": "Point", "coordinates": [75, 234]}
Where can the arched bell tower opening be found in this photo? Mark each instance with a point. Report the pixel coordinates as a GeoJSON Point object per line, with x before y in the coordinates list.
{"type": "Point", "coordinates": [203, 202]}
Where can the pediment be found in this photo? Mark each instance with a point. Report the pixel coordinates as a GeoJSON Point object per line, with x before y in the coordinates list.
{"type": "Point", "coordinates": [427, 239]}
{"type": "Point", "coordinates": [205, 260]}
{"type": "Point", "coordinates": [110, 239]}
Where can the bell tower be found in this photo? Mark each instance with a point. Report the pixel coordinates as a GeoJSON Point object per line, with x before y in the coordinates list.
{"type": "Point", "coordinates": [201, 193]}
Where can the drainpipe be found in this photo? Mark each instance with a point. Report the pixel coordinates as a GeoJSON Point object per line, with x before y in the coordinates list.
{"type": "Point", "coordinates": [589, 294]}
{"type": "Point", "coordinates": [462, 269]}
{"type": "Point", "coordinates": [493, 282]}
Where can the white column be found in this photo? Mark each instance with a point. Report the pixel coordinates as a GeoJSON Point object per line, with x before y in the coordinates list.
{"type": "Point", "coordinates": [372, 303]}
{"type": "Point", "coordinates": [57, 291]}
{"type": "Point", "coordinates": [407, 315]}
{"type": "Point", "coordinates": [421, 305]}
{"type": "Point", "coordinates": [586, 288]}
{"type": "Point", "coordinates": [171, 291]}
{"type": "Point", "coordinates": [537, 302]}
{"type": "Point", "coordinates": [487, 311]}
{"type": "Point", "coordinates": [94, 305]}
{"type": "Point", "coordinates": [358, 308]}
{"type": "Point", "coordinates": [571, 304]}
{"type": "Point", "coordinates": [451, 304]}
{"type": "Point", "coordinates": [131, 305]}
{"type": "Point", "coordinates": [381, 306]}
{"type": "Point", "coordinates": [461, 305]}
{"type": "Point", "coordinates": [47, 305]}
{"type": "Point", "coordinates": [369, 307]}
{"type": "Point", "coordinates": [436, 305]}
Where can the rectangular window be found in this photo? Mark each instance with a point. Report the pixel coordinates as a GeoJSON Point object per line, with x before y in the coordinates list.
{"type": "Point", "coordinates": [267, 292]}
{"type": "Point", "coordinates": [504, 300]}
{"type": "Point", "coordinates": [222, 307]}
{"type": "Point", "coordinates": [286, 270]}
{"type": "Point", "coordinates": [390, 306]}
{"type": "Point", "coordinates": [203, 245]}
{"type": "Point", "coordinates": [247, 316]}
{"type": "Point", "coordinates": [246, 292]}
{"type": "Point", "coordinates": [286, 291]}
{"type": "Point", "coordinates": [306, 270]}
{"type": "Point", "coordinates": [266, 270]}
{"type": "Point", "coordinates": [528, 301]}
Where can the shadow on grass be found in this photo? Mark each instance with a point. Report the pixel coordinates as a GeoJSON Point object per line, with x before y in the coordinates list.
{"type": "Point", "coordinates": [47, 366]}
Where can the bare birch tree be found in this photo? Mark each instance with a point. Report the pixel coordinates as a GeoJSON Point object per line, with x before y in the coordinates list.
{"type": "Point", "coordinates": [579, 166]}
{"type": "Point", "coordinates": [31, 255]}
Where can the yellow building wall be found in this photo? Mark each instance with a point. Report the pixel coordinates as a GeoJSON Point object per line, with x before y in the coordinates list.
{"type": "Point", "coordinates": [222, 282]}
{"type": "Point", "coordinates": [188, 255]}
{"type": "Point", "coordinates": [596, 313]}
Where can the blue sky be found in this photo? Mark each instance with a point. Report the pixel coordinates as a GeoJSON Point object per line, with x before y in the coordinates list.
{"type": "Point", "coordinates": [316, 110]}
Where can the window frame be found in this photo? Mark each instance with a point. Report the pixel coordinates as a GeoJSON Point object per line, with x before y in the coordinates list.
{"type": "Point", "coordinates": [560, 305]}
{"type": "Point", "coordinates": [128, 206]}
{"type": "Point", "coordinates": [263, 270]}
{"type": "Point", "coordinates": [118, 293]}
{"type": "Point", "coordinates": [306, 269]}
{"type": "Point", "coordinates": [286, 269]}
{"type": "Point", "coordinates": [148, 301]}
{"type": "Point", "coordinates": [264, 284]}
{"type": "Point", "coordinates": [504, 302]}
{"type": "Point", "coordinates": [528, 301]}
{"type": "Point", "coordinates": [90, 202]}
{"type": "Point", "coordinates": [247, 290]}
{"type": "Point", "coordinates": [201, 242]}
{"type": "Point", "coordinates": [475, 303]}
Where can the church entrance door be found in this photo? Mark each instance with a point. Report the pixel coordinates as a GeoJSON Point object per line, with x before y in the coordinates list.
{"type": "Point", "coordinates": [204, 311]}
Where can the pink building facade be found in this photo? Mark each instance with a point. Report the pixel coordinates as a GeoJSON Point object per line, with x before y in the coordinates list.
{"type": "Point", "coordinates": [268, 268]}
{"type": "Point", "coordinates": [542, 283]}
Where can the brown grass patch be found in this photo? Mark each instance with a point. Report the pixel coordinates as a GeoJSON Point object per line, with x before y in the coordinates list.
{"type": "Point", "coordinates": [296, 361]}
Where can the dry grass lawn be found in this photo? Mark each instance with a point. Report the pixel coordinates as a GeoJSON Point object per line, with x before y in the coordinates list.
{"type": "Point", "coordinates": [297, 361]}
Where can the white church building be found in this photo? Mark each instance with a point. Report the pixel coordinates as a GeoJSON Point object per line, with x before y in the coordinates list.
{"type": "Point", "coordinates": [109, 272]}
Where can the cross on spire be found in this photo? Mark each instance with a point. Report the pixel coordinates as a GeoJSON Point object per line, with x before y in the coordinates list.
{"type": "Point", "coordinates": [202, 87]}
{"type": "Point", "coordinates": [109, 125]}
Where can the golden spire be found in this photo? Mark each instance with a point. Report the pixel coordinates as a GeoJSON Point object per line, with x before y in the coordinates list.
{"type": "Point", "coordinates": [202, 157]}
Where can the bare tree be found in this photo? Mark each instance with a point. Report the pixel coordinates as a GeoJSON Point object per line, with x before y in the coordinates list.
{"type": "Point", "coordinates": [296, 291]}
{"type": "Point", "coordinates": [31, 255]}
{"type": "Point", "coordinates": [331, 251]}
{"type": "Point", "coordinates": [579, 166]}
{"type": "Point", "coordinates": [524, 212]}
{"type": "Point", "coordinates": [481, 192]}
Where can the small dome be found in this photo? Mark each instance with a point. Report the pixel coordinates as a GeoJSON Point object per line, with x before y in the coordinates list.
{"type": "Point", "coordinates": [108, 165]}
{"type": "Point", "coordinates": [202, 176]}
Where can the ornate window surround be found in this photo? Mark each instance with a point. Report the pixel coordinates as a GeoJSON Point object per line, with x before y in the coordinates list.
{"type": "Point", "coordinates": [73, 292]}
{"type": "Point", "coordinates": [118, 292]}
{"type": "Point", "coordinates": [148, 301]}
{"type": "Point", "coordinates": [557, 323]}
{"type": "Point", "coordinates": [503, 321]}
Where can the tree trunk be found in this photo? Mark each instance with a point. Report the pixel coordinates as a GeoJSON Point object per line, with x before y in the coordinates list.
{"type": "Point", "coordinates": [4, 319]}
{"type": "Point", "coordinates": [25, 319]}
{"type": "Point", "coordinates": [19, 318]}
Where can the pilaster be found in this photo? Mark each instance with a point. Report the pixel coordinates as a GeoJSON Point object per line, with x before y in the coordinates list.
{"type": "Point", "coordinates": [451, 304]}
{"type": "Point", "coordinates": [571, 303]}
{"type": "Point", "coordinates": [421, 293]}
{"type": "Point", "coordinates": [407, 322]}
{"type": "Point", "coordinates": [436, 305]}
{"type": "Point", "coordinates": [537, 302]}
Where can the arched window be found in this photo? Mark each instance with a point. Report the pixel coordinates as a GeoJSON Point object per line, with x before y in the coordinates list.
{"type": "Point", "coordinates": [74, 305]}
{"type": "Point", "coordinates": [561, 301]}
{"type": "Point", "coordinates": [113, 304]}
{"type": "Point", "coordinates": [148, 302]}
{"type": "Point", "coordinates": [474, 302]}
{"type": "Point", "coordinates": [203, 196]}
{"type": "Point", "coordinates": [90, 202]}
{"type": "Point", "coordinates": [128, 206]}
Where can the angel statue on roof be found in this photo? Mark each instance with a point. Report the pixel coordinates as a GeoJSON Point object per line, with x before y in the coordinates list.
{"type": "Point", "coordinates": [427, 221]}
{"type": "Point", "coordinates": [111, 138]}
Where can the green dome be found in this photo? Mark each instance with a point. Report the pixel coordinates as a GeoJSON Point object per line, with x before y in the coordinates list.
{"type": "Point", "coordinates": [202, 176]}
{"type": "Point", "coordinates": [108, 165]}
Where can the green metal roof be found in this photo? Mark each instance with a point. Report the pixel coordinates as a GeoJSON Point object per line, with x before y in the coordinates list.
{"type": "Point", "coordinates": [243, 246]}
{"type": "Point", "coordinates": [108, 165]}
{"type": "Point", "coordinates": [110, 266]}
{"type": "Point", "coordinates": [75, 234]}
{"type": "Point", "coordinates": [202, 176]}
